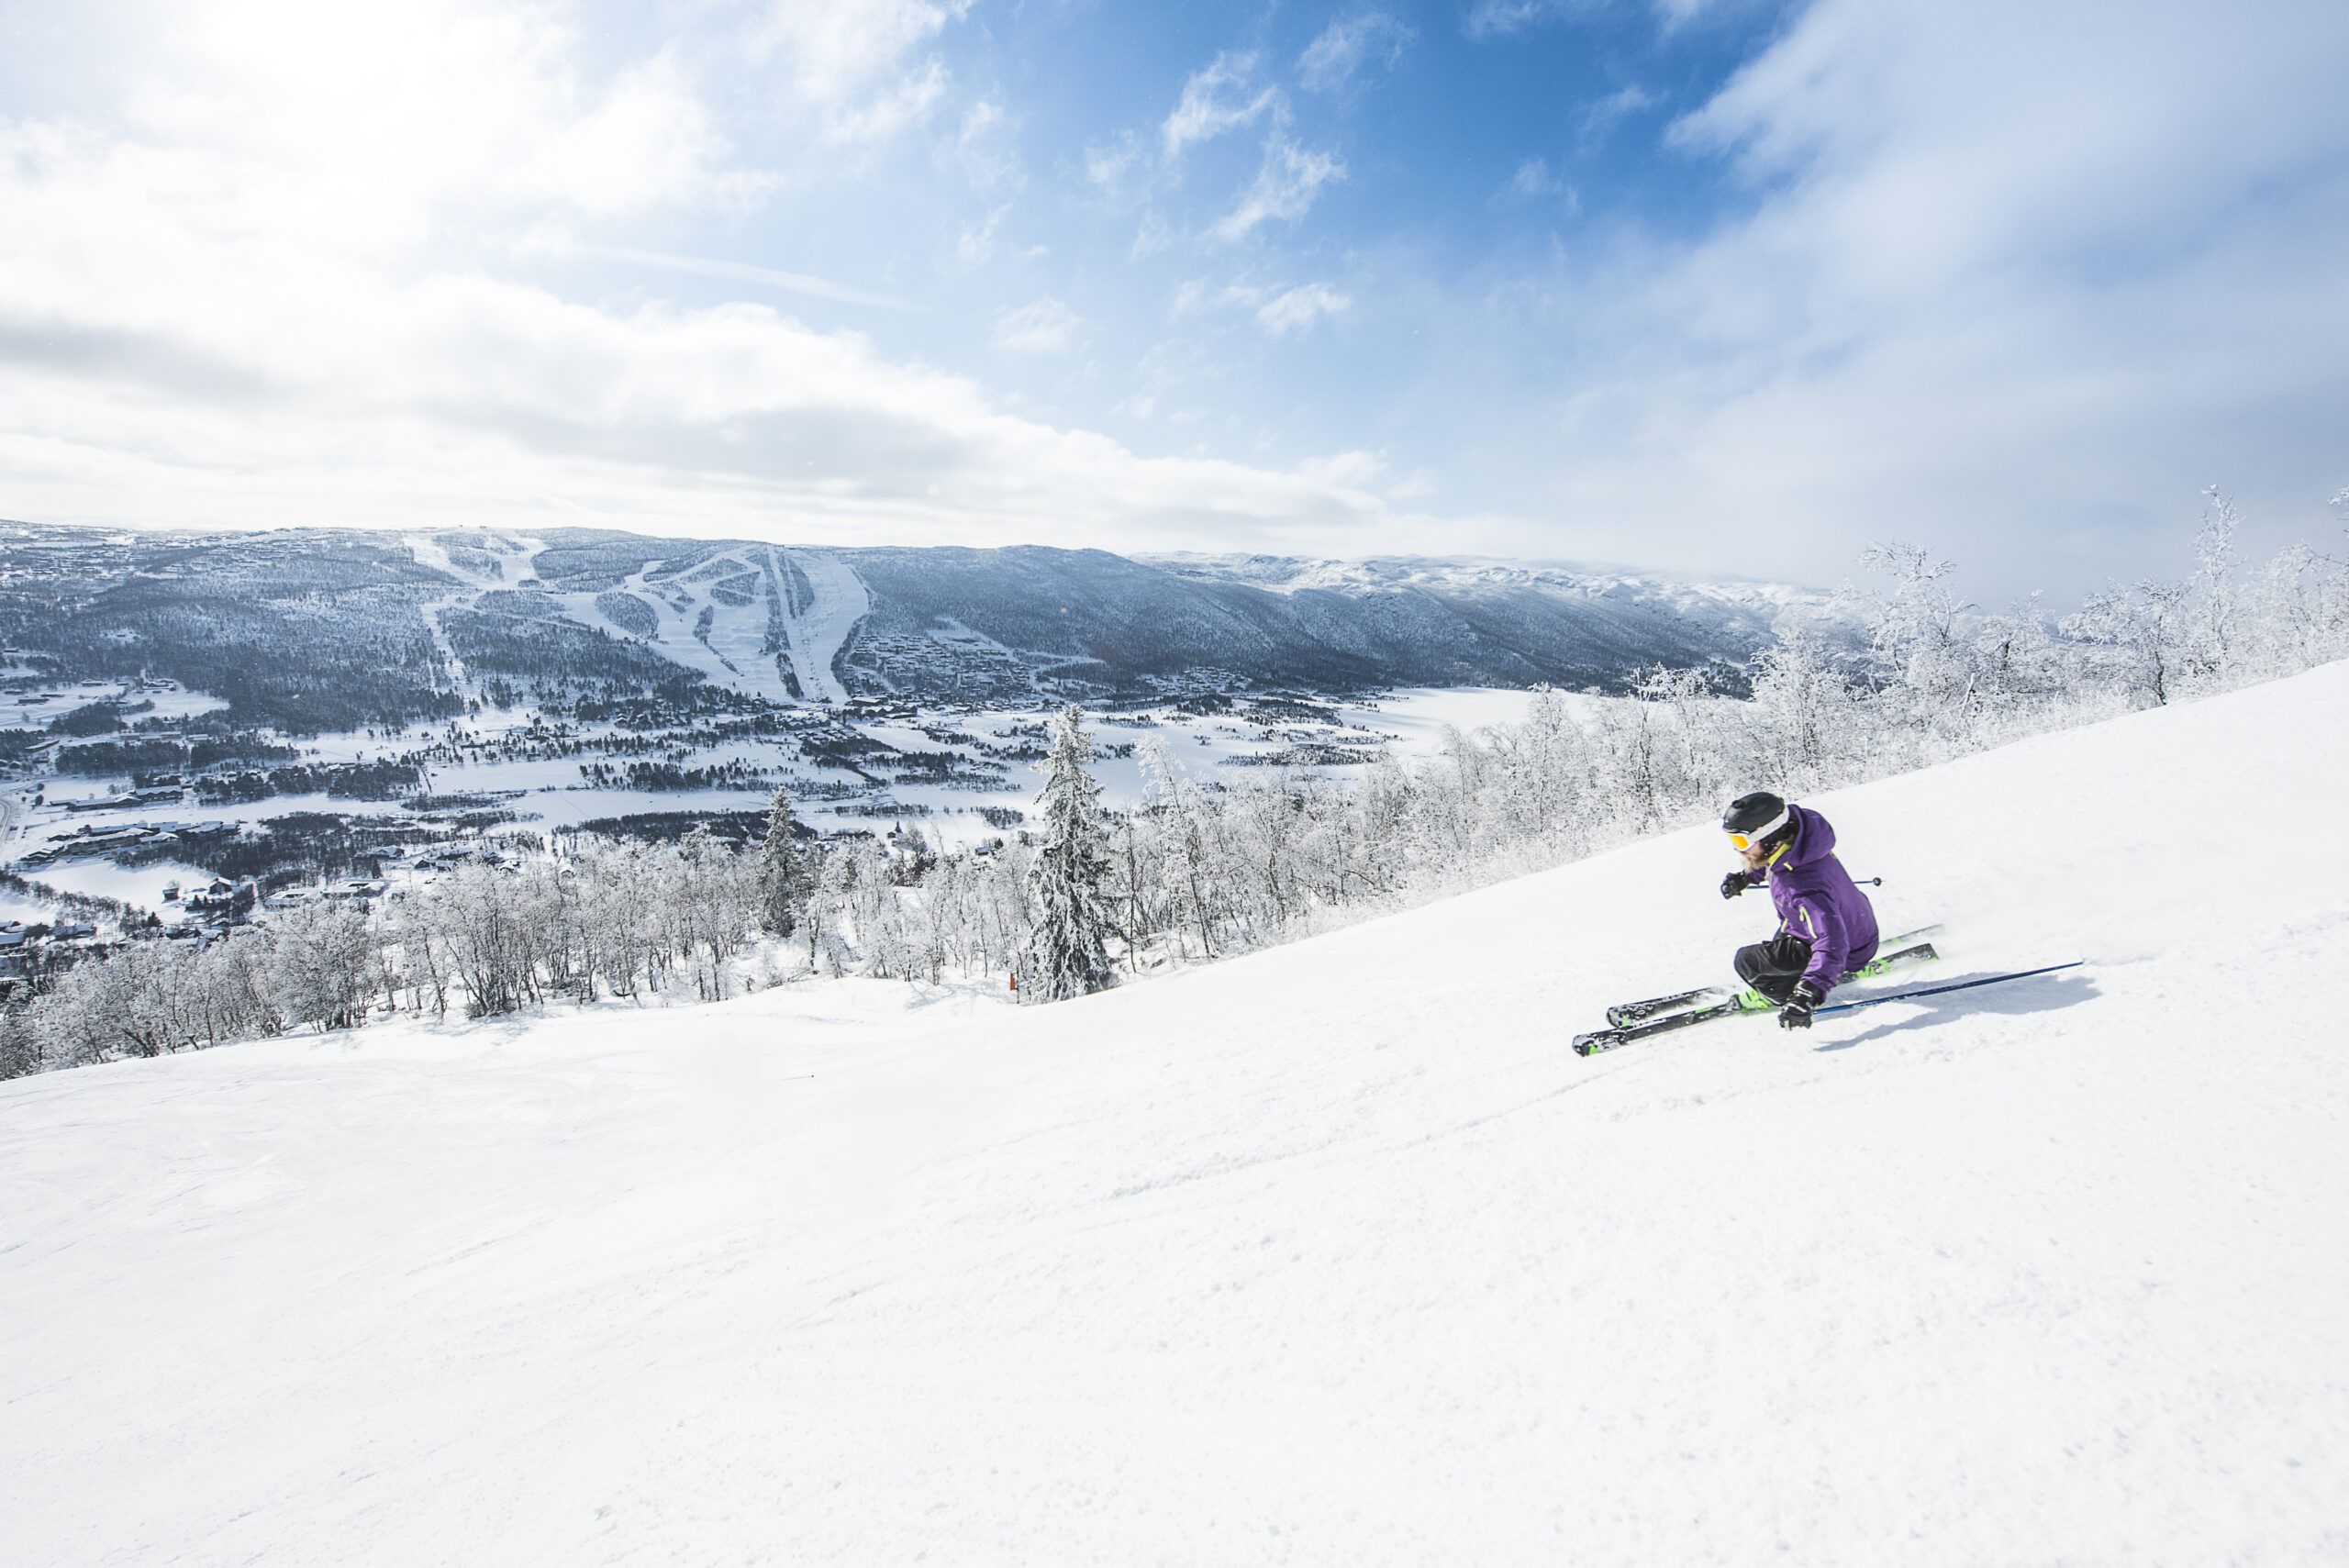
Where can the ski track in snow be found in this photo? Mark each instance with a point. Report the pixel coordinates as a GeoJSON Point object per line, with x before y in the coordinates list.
{"type": "Point", "coordinates": [430, 551]}
{"type": "Point", "coordinates": [819, 631]}
{"type": "Point", "coordinates": [737, 650]}
{"type": "Point", "coordinates": [740, 635]}
{"type": "Point", "coordinates": [679, 605]}
{"type": "Point", "coordinates": [1331, 1254]}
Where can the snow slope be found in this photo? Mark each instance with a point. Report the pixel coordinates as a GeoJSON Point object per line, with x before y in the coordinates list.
{"type": "Point", "coordinates": [818, 628]}
{"type": "Point", "coordinates": [1329, 1255]}
{"type": "Point", "coordinates": [726, 638]}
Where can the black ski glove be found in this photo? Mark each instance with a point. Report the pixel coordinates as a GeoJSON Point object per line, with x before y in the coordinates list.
{"type": "Point", "coordinates": [1805, 1000]}
{"type": "Point", "coordinates": [1734, 883]}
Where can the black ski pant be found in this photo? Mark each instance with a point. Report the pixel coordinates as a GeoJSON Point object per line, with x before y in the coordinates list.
{"type": "Point", "coordinates": [1773, 967]}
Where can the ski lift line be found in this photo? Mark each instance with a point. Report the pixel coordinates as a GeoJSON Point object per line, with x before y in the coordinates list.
{"type": "Point", "coordinates": [1960, 985]}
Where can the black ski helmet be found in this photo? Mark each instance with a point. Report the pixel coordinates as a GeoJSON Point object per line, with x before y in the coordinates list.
{"type": "Point", "coordinates": [1752, 819]}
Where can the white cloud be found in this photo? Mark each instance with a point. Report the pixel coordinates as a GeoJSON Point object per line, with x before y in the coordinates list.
{"type": "Point", "coordinates": [1675, 12]}
{"type": "Point", "coordinates": [1345, 471]}
{"type": "Point", "coordinates": [984, 149]}
{"type": "Point", "coordinates": [851, 67]}
{"type": "Point", "coordinates": [1286, 189]}
{"type": "Point", "coordinates": [1340, 52]}
{"type": "Point", "coordinates": [456, 396]}
{"type": "Point", "coordinates": [1216, 99]}
{"type": "Point", "coordinates": [1535, 180]}
{"type": "Point", "coordinates": [716, 267]}
{"type": "Point", "coordinates": [362, 121]}
{"type": "Point", "coordinates": [2021, 278]}
{"type": "Point", "coordinates": [976, 244]}
{"type": "Point", "coordinates": [1594, 119]}
{"type": "Point", "coordinates": [1041, 326]}
{"type": "Point", "coordinates": [1500, 19]}
{"type": "Point", "coordinates": [1295, 309]}
{"type": "Point", "coordinates": [1107, 165]}
{"type": "Point", "coordinates": [263, 286]}
{"type": "Point", "coordinates": [1281, 308]}
{"type": "Point", "coordinates": [2018, 277]}
{"type": "Point", "coordinates": [1151, 236]}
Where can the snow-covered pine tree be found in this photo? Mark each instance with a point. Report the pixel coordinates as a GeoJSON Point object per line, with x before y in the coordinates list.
{"type": "Point", "coordinates": [784, 879]}
{"type": "Point", "coordinates": [1066, 953]}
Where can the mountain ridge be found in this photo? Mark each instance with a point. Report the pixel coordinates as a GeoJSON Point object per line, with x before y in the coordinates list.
{"type": "Point", "coordinates": [403, 617]}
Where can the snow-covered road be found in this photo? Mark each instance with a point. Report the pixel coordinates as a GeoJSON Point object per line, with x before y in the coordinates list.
{"type": "Point", "coordinates": [1329, 1255]}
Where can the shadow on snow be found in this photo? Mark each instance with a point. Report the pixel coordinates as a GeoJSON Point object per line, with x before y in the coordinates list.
{"type": "Point", "coordinates": [2041, 994]}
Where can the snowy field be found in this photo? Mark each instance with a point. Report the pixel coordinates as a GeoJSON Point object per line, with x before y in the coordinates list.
{"type": "Point", "coordinates": [1334, 1255]}
{"type": "Point", "coordinates": [142, 886]}
{"type": "Point", "coordinates": [35, 706]}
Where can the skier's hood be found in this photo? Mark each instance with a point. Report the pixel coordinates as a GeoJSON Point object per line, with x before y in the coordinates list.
{"type": "Point", "coordinates": [1814, 838]}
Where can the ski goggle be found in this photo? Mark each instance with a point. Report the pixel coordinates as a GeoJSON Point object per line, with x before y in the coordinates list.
{"type": "Point", "coordinates": [1745, 840]}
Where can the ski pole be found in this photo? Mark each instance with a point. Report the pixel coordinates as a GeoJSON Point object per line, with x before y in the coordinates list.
{"type": "Point", "coordinates": [1960, 985]}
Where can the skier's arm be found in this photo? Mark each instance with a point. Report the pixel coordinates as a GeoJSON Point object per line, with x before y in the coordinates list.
{"type": "Point", "coordinates": [1830, 950]}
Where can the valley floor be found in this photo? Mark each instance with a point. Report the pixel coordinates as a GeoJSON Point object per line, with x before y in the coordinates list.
{"type": "Point", "coordinates": [1333, 1254]}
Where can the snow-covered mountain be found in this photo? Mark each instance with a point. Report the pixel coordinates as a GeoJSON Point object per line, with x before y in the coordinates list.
{"type": "Point", "coordinates": [1472, 576]}
{"type": "Point", "coordinates": [1329, 1254]}
{"type": "Point", "coordinates": [342, 630]}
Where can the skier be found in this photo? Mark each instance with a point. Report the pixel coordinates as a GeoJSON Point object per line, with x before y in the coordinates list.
{"type": "Point", "coordinates": [1826, 925]}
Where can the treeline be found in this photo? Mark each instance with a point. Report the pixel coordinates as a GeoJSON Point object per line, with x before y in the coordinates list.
{"type": "Point", "coordinates": [609, 920]}
{"type": "Point", "coordinates": [340, 781]}
{"type": "Point", "coordinates": [80, 905]}
{"type": "Point", "coordinates": [734, 775]}
{"type": "Point", "coordinates": [1201, 868]}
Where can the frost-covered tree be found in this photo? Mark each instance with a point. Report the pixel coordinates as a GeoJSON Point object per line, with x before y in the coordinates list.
{"type": "Point", "coordinates": [2304, 618]}
{"type": "Point", "coordinates": [1636, 755]}
{"type": "Point", "coordinates": [1067, 953]}
{"type": "Point", "coordinates": [827, 924]}
{"type": "Point", "coordinates": [784, 880]}
{"type": "Point", "coordinates": [1800, 714]}
{"type": "Point", "coordinates": [322, 964]}
{"type": "Point", "coordinates": [233, 997]}
{"type": "Point", "coordinates": [130, 1005]}
{"type": "Point", "coordinates": [2016, 660]}
{"type": "Point", "coordinates": [1549, 766]}
{"type": "Point", "coordinates": [486, 937]}
{"type": "Point", "coordinates": [1914, 632]}
{"type": "Point", "coordinates": [2212, 636]}
{"type": "Point", "coordinates": [19, 1042]}
{"type": "Point", "coordinates": [2139, 635]}
{"type": "Point", "coordinates": [712, 895]}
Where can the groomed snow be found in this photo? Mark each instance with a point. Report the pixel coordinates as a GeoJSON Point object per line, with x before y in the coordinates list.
{"type": "Point", "coordinates": [820, 629]}
{"type": "Point", "coordinates": [1334, 1255]}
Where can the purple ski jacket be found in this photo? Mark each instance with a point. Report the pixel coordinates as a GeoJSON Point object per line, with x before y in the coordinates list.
{"type": "Point", "coordinates": [1817, 901]}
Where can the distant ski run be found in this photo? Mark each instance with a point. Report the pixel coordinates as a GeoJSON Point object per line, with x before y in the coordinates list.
{"type": "Point", "coordinates": [837, 601]}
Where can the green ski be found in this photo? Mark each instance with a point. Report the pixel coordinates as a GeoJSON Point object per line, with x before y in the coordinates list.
{"type": "Point", "coordinates": [1733, 1003]}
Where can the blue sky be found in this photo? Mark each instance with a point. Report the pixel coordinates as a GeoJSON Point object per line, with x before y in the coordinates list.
{"type": "Point", "coordinates": [1710, 284]}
